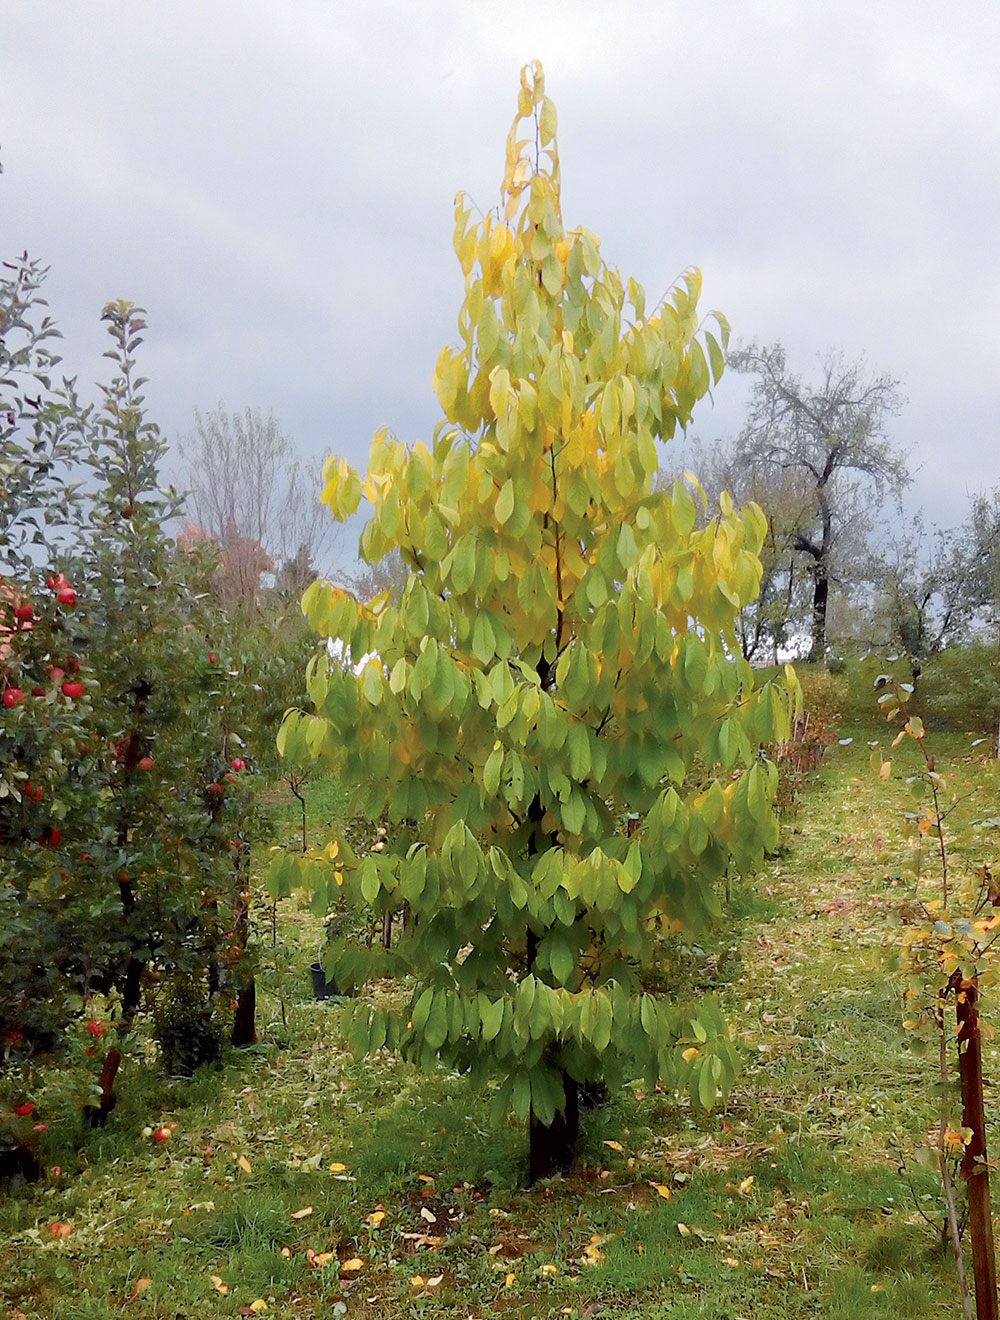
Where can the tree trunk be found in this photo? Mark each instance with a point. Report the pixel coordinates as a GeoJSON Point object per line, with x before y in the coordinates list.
{"type": "Point", "coordinates": [554, 1147]}
{"type": "Point", "coordinates": [97, 1115]}
{"type": "Point", "coordinates": [244, 1031]}
{"type": "Point", "coordinates": [974, 1167]}
{"type": "Point", "coordinates": [821, 599]}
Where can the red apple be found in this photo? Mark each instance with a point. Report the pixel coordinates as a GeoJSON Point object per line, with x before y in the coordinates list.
{"type": "Point", "coordinates": [238, 764]}
{"type": "Point", "coordinates": [161, 1134]}
{"type": "Point", "coordinates": [38, 692]}
{"type": "Point", "coordinates": [23, 612]}
{"type": "Point", "coordinates": [145, 763]}
{"type": "Point", "coordinates": [67, 596]}
{"type": "Point", "coordinates": [12, 696]}
{"type": "Point", "coordinates": [72, 688]}
{"type": "Point", "coordinates": [215, 787]}
{"type": "Point", "coordinates": [24, 1109]}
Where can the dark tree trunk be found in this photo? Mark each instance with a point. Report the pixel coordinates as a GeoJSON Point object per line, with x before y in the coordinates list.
{"type": "Point", "coordinates": [821, 598]}
{"type": "Point", "coordinates": [555, 1146]}
{"type": "Point", "coordinates": [244, 1032]}
{"type": "Point", "coordinates": [97, 1115]}
{"type": "Point", "coordinates": [974, 1167]}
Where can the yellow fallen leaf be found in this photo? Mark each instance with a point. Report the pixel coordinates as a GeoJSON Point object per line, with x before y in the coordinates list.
{"type": "Point", "coordinates": [548, 1268]}
{"type": "Point", "coordinates": [424, 1178]}
{"type": "Point", "coordinates": [303, 1213]}
{"type": "Point", "coordinates": [683, 1230]}
{"type": "Point", "coordinates": [318, 1258]}
{"type": "Point", "coordinates": [730, 1260]}
{"type": "Point", "coordinates": [217, 1284]}
{"type": "Point", "coordinates": [661, 1190]}
{"type": "Point", "coordinates": [509, 1280]}
{"type": "Point", "coordinates": [286, 1252]}
{"type": "Point", "coordinates": [417, 1280]}
{"type": "Point", "coordinates": [259, 1305]}
{"type": "Point", "coordinates": [245, 1164]}
{"type": "Point", "coordinates": [745, 1186]}
{"type": "Point", "coordinates": [435, 1280]}
{"type": "Point", "coordinates": [375, 1218]}
{"type": "Point", "coordinates": [140, 1286]}
{"type": "Point", "coordinates": [352, 1266]}
{"type": "Point", "coordinates": [615, 1145]}
{"type": "Point", "coordinates": [336, 1167]}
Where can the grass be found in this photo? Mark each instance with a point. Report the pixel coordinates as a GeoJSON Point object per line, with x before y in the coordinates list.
{"type": "Point", "coordinates": [799, 1198]}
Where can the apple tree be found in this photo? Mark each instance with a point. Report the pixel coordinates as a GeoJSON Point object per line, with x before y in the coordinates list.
{"type": "Point", "coordinates": [552, 714]}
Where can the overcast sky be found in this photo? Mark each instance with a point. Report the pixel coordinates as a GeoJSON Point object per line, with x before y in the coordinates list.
{"type": "Point", "coordinates": [273, 180]}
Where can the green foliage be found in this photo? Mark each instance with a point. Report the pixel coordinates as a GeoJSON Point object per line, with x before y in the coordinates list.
{"type": "Point", "coordinates": [561, 656]}
{"type": "Point", "coordinates": [124, 797]}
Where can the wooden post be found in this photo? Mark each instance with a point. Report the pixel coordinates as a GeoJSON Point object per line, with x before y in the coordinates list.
{"type": "Point", "coordinates": [974, 1167]}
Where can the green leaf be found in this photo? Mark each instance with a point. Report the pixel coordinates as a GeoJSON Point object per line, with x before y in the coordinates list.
{"type": "Point", "coordinates": [505, 502]}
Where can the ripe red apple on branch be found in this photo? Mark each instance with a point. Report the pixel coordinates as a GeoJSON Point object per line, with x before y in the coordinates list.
{"type": "Point", "coordinates": [72, 688]}
{"type": "Point", "coordinates": [12, 696]}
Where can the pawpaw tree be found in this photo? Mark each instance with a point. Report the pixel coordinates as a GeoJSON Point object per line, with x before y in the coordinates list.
{"type": "Point", "coordinates": [552, 715]}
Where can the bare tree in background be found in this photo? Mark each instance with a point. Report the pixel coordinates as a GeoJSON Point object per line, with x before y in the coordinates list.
{"type": "Point", "coordinates": [832, 437]}
{"type": "Point", "coordinates": [251, 494]}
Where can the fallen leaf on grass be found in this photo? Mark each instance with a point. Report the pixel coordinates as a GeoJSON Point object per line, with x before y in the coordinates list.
{"type": "Point", "coordinates": [683, 1230]}
{"type": "Point", "coordinates": [245, 1164]}
{"type": "Point", "coordinates": [140, 1286]}
{"type": "Point", "coordinates": [60, 1229]}
{"type": "Point", "coordinates": [254, 1307]}
{"type": "Point", "coordinates": [615, 1145]}
{"type": "Point", "coordinates": [508, 1282]}
{"type": "Point", "coordinates": [548, 1268]}
{"type": "Point", "coordinates": [352, 1266]}
{"type": "Point", "coordinates": [318, 1258]}
{"type": "Point", "coordinates": [661, 1190]}
{"type": "Point", "coordinates": [426, 1214]}
{"type": "Point", "coordinates": [424, 1178]}
{"type": "Point", "coordinates": [746, 1185]}
{"type": "Point", "coordinates": [418, 1281]}
{"type": "Point", "coordinates": [375, 1218]}
{"type": "Point", "coordinates": [217, 1284]}
{"type": "Point", "coordinates": [303, 1213]}
{"type": "Point", "coordinates": [336, 1167]}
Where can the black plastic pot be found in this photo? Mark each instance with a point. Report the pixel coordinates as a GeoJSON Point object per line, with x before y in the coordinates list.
{"type": "Point", "coordinates": [322, 988]}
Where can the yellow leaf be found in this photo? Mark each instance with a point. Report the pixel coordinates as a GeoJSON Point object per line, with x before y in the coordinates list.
{"type": "Point", "coordinates": [661, 1190]}
{"type": "Point", "coordinates": [885, 770]}
{"type": "Point", "coordinates": [318, 1258]}
{"type": "Point", "coordinates": [258, 1305]}
{"type": "Point", "coordinates": [690, 1053]}
{"type": "Point", "coordinates": [425, 1178]}
{"type": "Point", "coordinates": [217, 1283]}
{"type": "Point", "coordinates": [548, 1268]}
{"type": "Point", "coordinates": [615, 1145]}
{"type": "Point", "coordinates": [245, 1164]}
{"type": "Point", "coordinates": [303, 1213]}
{"type": "Point", "coordinates": [336, 1167]}
{"type": "Point", "coordinates": [375, 1218]}
{"type": "Point", "coordinates": [140, 1286]}
{"type": "Point", "coordinates": [730, 1260]}
{"type": "Point", "coordinates": [417, 1280]}
{"type": "Point", "coordinates": [683, 1230]}
{"type": "Point", "coordinates": [352, 1266]}
{"type": "Point", "coordinates": [745, 1186]}
{"type": "Point", "coordinates": [508, 1281]}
